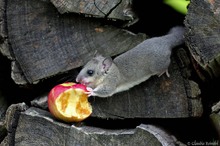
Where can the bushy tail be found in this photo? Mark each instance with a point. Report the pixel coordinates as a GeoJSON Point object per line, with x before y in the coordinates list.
{"type": "Point", "coordinates": [177, 34]}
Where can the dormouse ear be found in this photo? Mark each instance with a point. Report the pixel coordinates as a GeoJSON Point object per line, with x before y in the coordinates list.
{"type": "Point", "coordinates": [106, 64]}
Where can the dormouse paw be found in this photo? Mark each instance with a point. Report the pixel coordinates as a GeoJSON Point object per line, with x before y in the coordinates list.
{"type": "Point", "coordinates": [90, 91]}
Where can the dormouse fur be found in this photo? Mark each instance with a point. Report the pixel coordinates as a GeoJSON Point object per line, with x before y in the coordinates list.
{"type": "Point", "coordinates": [106, 77]}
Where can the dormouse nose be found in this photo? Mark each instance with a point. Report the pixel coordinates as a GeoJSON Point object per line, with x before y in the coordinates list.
{"type": "Point", "coordinates": [78, 79]}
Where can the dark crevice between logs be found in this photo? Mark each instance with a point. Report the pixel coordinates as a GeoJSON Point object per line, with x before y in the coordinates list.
{"type": "Point", "coordinates": [150, 14]}
{"type": "Point", "coordinates": [150, 22]}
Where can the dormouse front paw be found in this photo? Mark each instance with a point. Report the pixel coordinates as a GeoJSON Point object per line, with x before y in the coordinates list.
{"type": "Point", "coordinates": [90, 91]}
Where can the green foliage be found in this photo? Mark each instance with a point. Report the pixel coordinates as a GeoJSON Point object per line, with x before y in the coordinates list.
{"type": "Point", "coordinates": [179, 5]}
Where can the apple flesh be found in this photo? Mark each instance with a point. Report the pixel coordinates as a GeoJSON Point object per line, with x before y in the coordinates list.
{"type": "Point", "coordinates": [69, 102]}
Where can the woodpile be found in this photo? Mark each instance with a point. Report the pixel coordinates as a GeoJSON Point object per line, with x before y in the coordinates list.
{"type": "Point", "coordinates": [46, 42]}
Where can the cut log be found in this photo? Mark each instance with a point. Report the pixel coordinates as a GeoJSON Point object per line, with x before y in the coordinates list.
{"type": "Point", "coordinates": [3, 131]}
{"type": "Point", "coordinates": [3, 108]}
{"type": "Point", "coordinates": [215, 119]}
{"type": "Point", "coordinates": [4, 46]}
{"type": "Point", "coordinates": [46, 43]}
{"type": "Point", "coordinates": [112, 9]}
{"type": "Point", "coordinates": [11, 121]}
{"type": "Point", "coordinates": [202, 37]}
{"type": "Point", "coordinates": [158, 97]}
{"type": "Point", "coordinates": [37, 127]}
{"type": "Point", "coordinates": [3, 105]}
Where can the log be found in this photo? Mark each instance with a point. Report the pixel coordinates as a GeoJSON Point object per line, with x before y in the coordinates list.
{"type": "Point", "coordinates": [3, 131]}
{"type": "Point", "coordinates": [202, 34]}
{"type": "Point", "coordinates": [215, 120]}
{"type": "Point", "coordinates": [215, 117]}
{"type": "Point", "coordinates": [158, 97]}
{"type": "Point", "coordinates": [3, 108]}
{"type": "Point", "coordinates": [37, 127]}
{"type": "Point", "coordinates": [4, 46]}
{"type": "Point", "coordinates": [4, 49]}
{"type": "Point", "coordinates": [111, 9]}
{"type": "Point", "coordinates": [3, 105]}
{"type": "Point", "coordinates": [46, 43]}
{"type": "Point", "coordinates": [11, 121]}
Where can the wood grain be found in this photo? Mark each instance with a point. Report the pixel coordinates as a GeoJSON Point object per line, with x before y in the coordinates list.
{"type": "Point", "coordinates": [46, 43]}
{"type": "Point", "coordinates": [202, 37]}
{"type": "Point", "coordinates": [36, 127]}
{"type": "Point", "coordinates": [4, 45]}
{"type": "Point", "coordinates": [112, 9]}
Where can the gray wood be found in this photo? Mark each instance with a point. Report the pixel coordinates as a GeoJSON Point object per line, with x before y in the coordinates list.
{"type": "Point", "coordinates": [215, 117]}
{"type": "Point", "coordinates": [4, 49]}
{"type": "Point", "coordinates": [3, 108]}
{"type": "Point", "coordinates": [112, 9]}
{"type": "Point", "coordinates": [215, 120]}
{"type": "Point", "coordinates": [37, 127]}
{"type": "Point", "coordinates": [11, 121]}
{"type": "Point", "coordinates": [3, 105]}
{"type": "Point", "coordinates": [3, 131]}
{"type": "Point", "coordinates": [46, 43]}
{"type": "Point", "coordinates": [4, 46]}
{"type": "Point", "coordinates": [202, 37]}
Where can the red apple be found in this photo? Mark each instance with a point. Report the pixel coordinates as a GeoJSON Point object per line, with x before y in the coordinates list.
{"type": "Point", "coordinates": [69, 102]}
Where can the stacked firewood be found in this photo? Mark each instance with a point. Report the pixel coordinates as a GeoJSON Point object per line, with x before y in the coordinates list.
{"type": "Point", "coordinates": [46, 42]}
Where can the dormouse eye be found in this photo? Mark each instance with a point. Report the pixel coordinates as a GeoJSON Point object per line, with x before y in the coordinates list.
{"type": "Point", "coordinates": [90, 72]}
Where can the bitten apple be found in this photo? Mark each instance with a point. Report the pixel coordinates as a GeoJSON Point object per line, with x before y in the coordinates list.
{"type": "Point", "coordinates": [69, 102]}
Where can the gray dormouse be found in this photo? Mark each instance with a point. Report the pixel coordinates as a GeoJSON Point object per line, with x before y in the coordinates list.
{"type": "Point", "coordinates": [105, 77]}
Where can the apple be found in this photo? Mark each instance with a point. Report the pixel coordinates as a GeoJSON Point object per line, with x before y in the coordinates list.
{"type": "Point", "coordinates": [69, 102]}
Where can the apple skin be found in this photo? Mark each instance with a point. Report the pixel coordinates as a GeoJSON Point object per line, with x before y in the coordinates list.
{"type": "Point", "coordinates": [69, 102]}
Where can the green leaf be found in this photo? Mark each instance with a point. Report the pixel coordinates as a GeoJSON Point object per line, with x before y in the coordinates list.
{"type": "Point", "coordinates": [179, 5]}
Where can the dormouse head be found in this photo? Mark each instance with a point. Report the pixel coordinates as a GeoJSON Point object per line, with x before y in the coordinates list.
{"type": "Point", "coordinates": [94, 72]}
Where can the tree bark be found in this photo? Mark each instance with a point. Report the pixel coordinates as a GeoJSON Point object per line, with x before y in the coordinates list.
{"type": "Point", "coordinates": [112, 9]}
{"type": "Point", "coordinates": [202, 37]}
{"type": "Point", "coordinates": [4, 46]}
{"type": "Point", "coordinates": [37, 127]}
{"type": "Point", "coordinates": [11, 121]}
{"type": "Point", "coordinates": [46, 43]}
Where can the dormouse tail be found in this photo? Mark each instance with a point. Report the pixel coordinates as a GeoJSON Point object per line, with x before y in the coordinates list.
{"type": "Point", "coordinates": [177, 34]}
